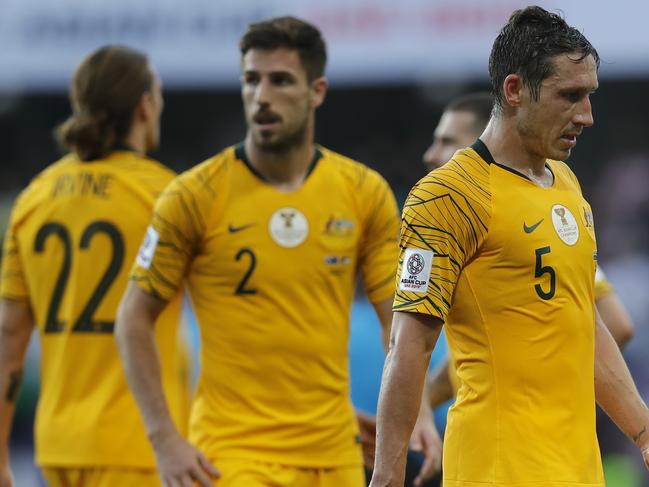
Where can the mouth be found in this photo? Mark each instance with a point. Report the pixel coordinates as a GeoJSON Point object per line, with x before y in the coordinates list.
{"type": "Point", "coordinates": [570, 139]}
{"type": "Point", "coordinates": [266, 120]}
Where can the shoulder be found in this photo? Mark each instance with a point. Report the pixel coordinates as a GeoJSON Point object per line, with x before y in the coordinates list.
{"type": "Point", "coordinates": [466, 177]}
{"type": "Point", "coordinates": [193, 197]}
{"type": "Point", "coordinates": [40, 187]}
{"type": "Point", "coordinates": [139, 171]}
{"type": "Point", "coordinates": [356, 174]}
{"type": "Point", "coordinates": [207, 177]}
{"type": "Point", "coordinates": [562, 171]}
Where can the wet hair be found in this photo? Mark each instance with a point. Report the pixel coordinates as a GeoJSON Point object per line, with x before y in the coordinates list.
{"type": "Point", "coordinates": [290, 33]}
{"type": "Point", "coordinates": [479, 103]}
{"type": "Point", "coordinates": [105, 90]}
{"type": "Point", "coordinates": [526, 46]}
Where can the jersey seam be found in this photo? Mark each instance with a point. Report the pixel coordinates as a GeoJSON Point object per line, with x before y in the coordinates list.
{"type": "Point", "coordinates": [212, 218]}
{"type": "Point", "coordinates": [494, 375]}
{"type": "Point", "coordinates": [473, 294]}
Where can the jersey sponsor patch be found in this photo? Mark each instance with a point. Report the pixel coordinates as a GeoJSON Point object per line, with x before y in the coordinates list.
{"type": "Point", "coordinates": [415, 271]}
{"type": "Point", "coordinates": [288, 227]}
{"type": "Point", "coordinates": [565, 224]}
{"type": "Point", "coordinates": [147, 249]}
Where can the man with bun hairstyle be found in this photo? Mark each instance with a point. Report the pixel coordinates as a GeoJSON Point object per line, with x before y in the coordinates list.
{"type": "Point", "coordinates": [73, 234]}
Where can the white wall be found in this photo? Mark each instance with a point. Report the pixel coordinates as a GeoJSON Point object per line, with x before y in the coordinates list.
{"type": "Point", "coordinates": [194, 42]}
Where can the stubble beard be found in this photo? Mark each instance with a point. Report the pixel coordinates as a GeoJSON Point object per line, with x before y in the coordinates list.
{"type": "Point", "coordinates": [282, 143]}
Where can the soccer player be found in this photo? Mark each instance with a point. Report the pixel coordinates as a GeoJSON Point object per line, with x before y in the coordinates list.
{"type": "Point", "coordinates": [71, 237]}
{"type": "Point", "coordinates": [499, 244]}
{"type": "Point", "coordinates": [268, 236]}
{"type": "Point", "coordinates": [461, 123]}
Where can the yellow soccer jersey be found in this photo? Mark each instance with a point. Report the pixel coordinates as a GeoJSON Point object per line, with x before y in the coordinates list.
{"type": "Point", "coordinates": [509, 267]}
{"type": "Point", "coordinates": [452, 373]}
{"type": "Point", "coordinates": [271, 277]}
{"type": "Point", "coordinates": [73, 235]}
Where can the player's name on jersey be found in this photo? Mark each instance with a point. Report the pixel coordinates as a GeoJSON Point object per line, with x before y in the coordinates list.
{"type": "Point", "coordinates": [83, 183]}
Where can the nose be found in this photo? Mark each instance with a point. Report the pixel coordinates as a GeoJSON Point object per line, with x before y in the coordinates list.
{"type": "Point", "coordinates": [584, 114]}
{"type": "Point", "coordinates": [431, 157]}
{"type": "Point", "coordinates": [261, 94]}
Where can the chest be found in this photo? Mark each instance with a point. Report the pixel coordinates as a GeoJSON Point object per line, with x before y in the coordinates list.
{"type": "Point", "coordinates": [263, 239]}
{"type": "Point", "coordinates": [543, 239]}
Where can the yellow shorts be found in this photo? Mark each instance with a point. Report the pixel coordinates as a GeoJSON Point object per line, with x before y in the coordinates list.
{"type": "Point", "coordinates": [249, 473]}
{"type": "Point", "coordinates": [100, 477]}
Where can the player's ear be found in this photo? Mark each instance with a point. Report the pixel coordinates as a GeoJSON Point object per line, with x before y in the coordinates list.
{"type": "Point", "coordinates": [318, 91]}
{"type": "Point", "coordinates": [144, 110]}
{"type": "Point", "coordinates": [513, 87]}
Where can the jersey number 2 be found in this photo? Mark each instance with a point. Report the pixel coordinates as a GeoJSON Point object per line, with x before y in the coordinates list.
{"type": "Point", "coordinates": [242, 288]}
{"type": "Point", "coordinates": [85, 322]}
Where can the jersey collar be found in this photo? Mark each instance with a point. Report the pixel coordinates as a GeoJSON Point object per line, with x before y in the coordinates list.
{"type": "Point", "coordinates": [485, 154]}
{"type": "Point", "coordinates": [240, 153]}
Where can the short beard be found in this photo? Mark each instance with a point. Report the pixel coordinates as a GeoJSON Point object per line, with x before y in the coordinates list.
{"type": "Point", "coordinates": [282, 145]}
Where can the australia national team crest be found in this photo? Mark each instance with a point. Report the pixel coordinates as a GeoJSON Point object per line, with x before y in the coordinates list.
{"type": "Point", "coordinates": [288, 227]}
{"type": "Point", "coordinates": [338, 232]}
{"type": "Point", "coordinates": [588, 218]}
{"type": "Point", "coordinates": [415, 271]}
{"type": "Point", "coordinates": [565, 224]}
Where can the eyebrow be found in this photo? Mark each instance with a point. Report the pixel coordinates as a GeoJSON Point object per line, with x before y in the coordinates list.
{"type": "Point", "coordinates": [578, 89]}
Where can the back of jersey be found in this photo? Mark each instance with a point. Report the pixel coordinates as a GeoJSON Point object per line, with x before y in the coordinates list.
{"type": "Point", "coordinates": [73, 235]}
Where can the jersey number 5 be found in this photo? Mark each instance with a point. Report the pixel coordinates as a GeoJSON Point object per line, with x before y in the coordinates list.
{"type": "Point", "coordinates": [85, 322]}
{"type": "Point", "coordinates": [544, 269]}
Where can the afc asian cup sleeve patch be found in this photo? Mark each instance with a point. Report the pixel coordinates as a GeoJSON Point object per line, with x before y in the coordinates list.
{"type": "Point", "coordinates": [415, 271]}
{"type": "Point", "coordinates": [147, 249]}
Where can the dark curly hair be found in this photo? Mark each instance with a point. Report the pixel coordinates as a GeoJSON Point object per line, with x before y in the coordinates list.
{"type": "Point", "coordinates": [526, 46]}
{"type": "Point", "coordinates": [291, 33]}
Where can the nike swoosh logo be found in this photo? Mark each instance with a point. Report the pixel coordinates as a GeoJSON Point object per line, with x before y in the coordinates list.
{"type": "Point", "coordinates": [527, 229]}
{"type": "Point", "coordinates": [233, 229]}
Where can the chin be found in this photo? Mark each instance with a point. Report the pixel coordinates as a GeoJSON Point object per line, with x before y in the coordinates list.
{"type": "Point", "coordinates": [268, 144]}
{"type": "Point", "coordinates": [558, 154]}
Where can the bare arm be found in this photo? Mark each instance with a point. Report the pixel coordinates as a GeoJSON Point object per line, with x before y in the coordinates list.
{"type": "Point", "coordinates": [178, 461]}
{"type": "Point", "coordinates": [383, 311]}
{"type": "Point", "coordinates": [425, 437]}
{"type": "Point", "coordinates": [439, 385]}
{"type": "Point", "coordinates": [16, 325]}
{"type": "Point", "coordinates": [616, 318]}
{"type": "Point", "coordinates": [412, 340]}
{"type": "Point", "coordinates": [135, 335]}
{"type": "Point", "coordinates": [615, 391]}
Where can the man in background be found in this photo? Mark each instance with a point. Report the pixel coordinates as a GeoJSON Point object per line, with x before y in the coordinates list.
{"type": "Point", "coordinates": [72, 235]}
{"type": "Point", "coordinates": [463, 120]}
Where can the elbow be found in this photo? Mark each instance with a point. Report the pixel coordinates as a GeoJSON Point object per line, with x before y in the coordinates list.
{"type": "Point", "coordinates": [625, 333]}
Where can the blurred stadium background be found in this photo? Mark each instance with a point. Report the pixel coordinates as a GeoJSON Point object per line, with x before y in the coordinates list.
{"type": "Point", "coordinates": [392, 67]}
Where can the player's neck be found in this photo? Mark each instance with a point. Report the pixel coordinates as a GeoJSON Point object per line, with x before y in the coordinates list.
{"type": "Point", "coordinates": [136, 140]}
{"type": "Point", "coordinates": [285, 170]}
{"type": "Point", "coordinates": [508, 149]}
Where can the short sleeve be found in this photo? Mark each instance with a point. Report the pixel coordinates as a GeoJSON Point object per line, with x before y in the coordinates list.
{"type": "Point", "coordinates": [13, 285]}
{"type": "Point", "coordinates": [444, 223]}
{"type": "Point", "coordinates": [379, 251]}
{"type": "Point", "coordinates": [602, 285]}
{"type": "Point", "coordinates": [171, 240]}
